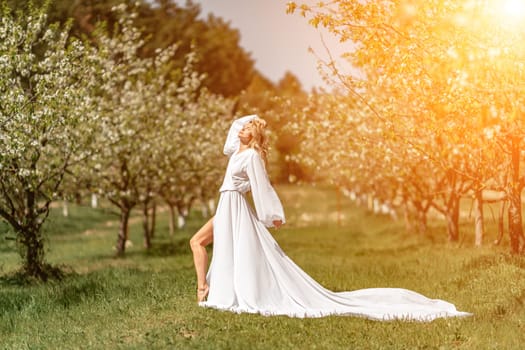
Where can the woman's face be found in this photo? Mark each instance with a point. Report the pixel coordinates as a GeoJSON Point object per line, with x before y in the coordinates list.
{"type": "Point", "coordinates": [246, 133]}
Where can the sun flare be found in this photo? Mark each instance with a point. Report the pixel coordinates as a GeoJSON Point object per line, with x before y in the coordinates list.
{"type": "Point", "coordinates": [514, 9]}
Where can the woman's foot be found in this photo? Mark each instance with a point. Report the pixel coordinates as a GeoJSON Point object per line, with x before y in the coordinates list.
{"type": "Point", "coordinates": [202, 293]}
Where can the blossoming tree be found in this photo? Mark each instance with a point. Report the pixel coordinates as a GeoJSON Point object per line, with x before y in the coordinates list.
{"type": "Point", "coordinates": [45, 117]}
{"type": "Point", "coordinates": [154, 123]}
{"type": "Point", "coordinates": [445, 85]}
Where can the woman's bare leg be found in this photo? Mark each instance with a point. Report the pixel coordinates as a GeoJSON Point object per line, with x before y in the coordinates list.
{"type": "Point", "coordinates": [198, 244]}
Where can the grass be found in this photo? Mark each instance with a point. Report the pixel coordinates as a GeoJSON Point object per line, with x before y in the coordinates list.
{"type": "Point", "coordinates": [147, 300]}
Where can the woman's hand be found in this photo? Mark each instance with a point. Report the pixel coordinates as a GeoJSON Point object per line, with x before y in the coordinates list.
{"type": "Point", "coordinates": [277, 223]}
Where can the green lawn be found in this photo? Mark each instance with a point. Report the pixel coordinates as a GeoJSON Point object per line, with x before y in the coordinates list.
{"type": "Point", "coordinates": [147, 300]}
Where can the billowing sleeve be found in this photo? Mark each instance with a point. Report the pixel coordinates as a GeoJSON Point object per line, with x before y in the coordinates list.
{"type": "Point", "coordinates": [267, 203]}
{"type": "Point", "coordinates": [232, 141]}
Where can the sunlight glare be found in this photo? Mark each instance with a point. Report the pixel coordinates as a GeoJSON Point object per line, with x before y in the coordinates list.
{"type": "Point", "coordinates": [513, 8]}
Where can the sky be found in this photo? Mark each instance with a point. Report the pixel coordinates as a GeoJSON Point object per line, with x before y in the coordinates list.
{"type": "Point", "coordinates": [277, 41]}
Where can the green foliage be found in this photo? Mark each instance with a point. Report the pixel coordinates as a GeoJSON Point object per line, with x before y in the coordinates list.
{"type": "Point", "coordinates": [227, 66]}
{"type": "Point", "coordinates": [148, 302]}
{"type": "Point", "coordinates": [278, 104]}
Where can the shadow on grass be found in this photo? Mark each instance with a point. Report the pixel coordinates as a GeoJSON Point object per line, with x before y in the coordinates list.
{"type": "Point", "coordinates": [167, 247]}
{"type": "Point", "coordinates": [78, 291]}
{"type": "Point", "coordinates": [164, 248]}
{"type": "Point", "coordinates": [73, 289]}
{"type": "Point", "coordinates": [159, 249]}
{"type": "Point", "coordinates": [48, 273]}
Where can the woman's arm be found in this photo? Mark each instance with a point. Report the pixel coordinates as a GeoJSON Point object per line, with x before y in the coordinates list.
{"type": "Point", "coordinates": [267, 204]}
{"type": "Point", "coordinates": [232, 140]}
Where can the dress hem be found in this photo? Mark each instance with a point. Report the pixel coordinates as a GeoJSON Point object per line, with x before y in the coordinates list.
{"type": "Point", "coordinates": [325, 313]}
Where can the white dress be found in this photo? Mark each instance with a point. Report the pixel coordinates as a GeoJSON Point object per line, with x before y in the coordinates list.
{"type": "Point", "coordinates": [250, 273]}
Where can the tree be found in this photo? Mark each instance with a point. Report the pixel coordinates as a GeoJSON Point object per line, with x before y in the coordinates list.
{"type": "Point", "coordinates": [434, 67]}
{"type": "Point", "coordinates": [192, 161]}
{"type": "Point", "coordinates": [157, 126]}
{"type": "Point", "coordinates": [122, 170]}
{"type": "Point", "coordinates": [277, 104]}
{"type": "Point", "coordinates": [227, 67]}
{"type": "Point", "coordinates": [45, 123]}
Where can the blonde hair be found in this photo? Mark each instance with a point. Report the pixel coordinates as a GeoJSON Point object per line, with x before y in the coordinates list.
{"type": "Point", "coordinates": [259, 141]}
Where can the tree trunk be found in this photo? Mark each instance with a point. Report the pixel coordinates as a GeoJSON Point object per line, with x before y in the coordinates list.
{"type": "Point", "coordinates": [452, 217]}
{"type": "Point", "coordinates": [34, 253]}
{"type": "Point", "coordinates": [514, 189]}
{"type": "Point", "coordinates": [146, 225]}
{"type": "Point", "coordinates": [377, 206]}
{"type": "Point", "coordinates": [204, 209]}
{"type": "Point", "coordinates": [501, 223]}
{"type": "Point", "coordinates": [422, 225]}
{"type": "Point", "coordinates": [171, 221]}
{"type": "Point", "coordinates": [211, 205]}
{"type": "Point", "coordinates": [65, 208]}
{"type": "Point", "coordinates": [32, 240]}
{"type": "Point", "coordinates": [182, 214]}
{"type": "Point", "coordinates": [406, 217]}
{"type": "Point", "coordinates": [94, 201]}
{"type": "Point", "coordinates": [181, 221]}
{"type": "Point", "coordinates": [370, 202]}
{"type": "Point", "coordinates": [78, 198]}
{"type": "Point", "coordinates": [478, 219]}
{"type": "Point", "coordinates": [153, 221]}
{"type": "Point", "coordinates": [421, 217]}
{"type": "Point", "coordinates": [123, 231]}
{"type": "Point", "coordinates": [338, 196]}
{"type": "Point", "coordinates": [515, 221]}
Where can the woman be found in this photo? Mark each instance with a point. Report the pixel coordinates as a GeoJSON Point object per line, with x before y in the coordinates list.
{"type": "Point", "coordinates": [250, 273]}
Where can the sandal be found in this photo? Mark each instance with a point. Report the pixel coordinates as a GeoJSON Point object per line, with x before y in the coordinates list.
{"type": "Point", "coordinates": [202, 294]}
